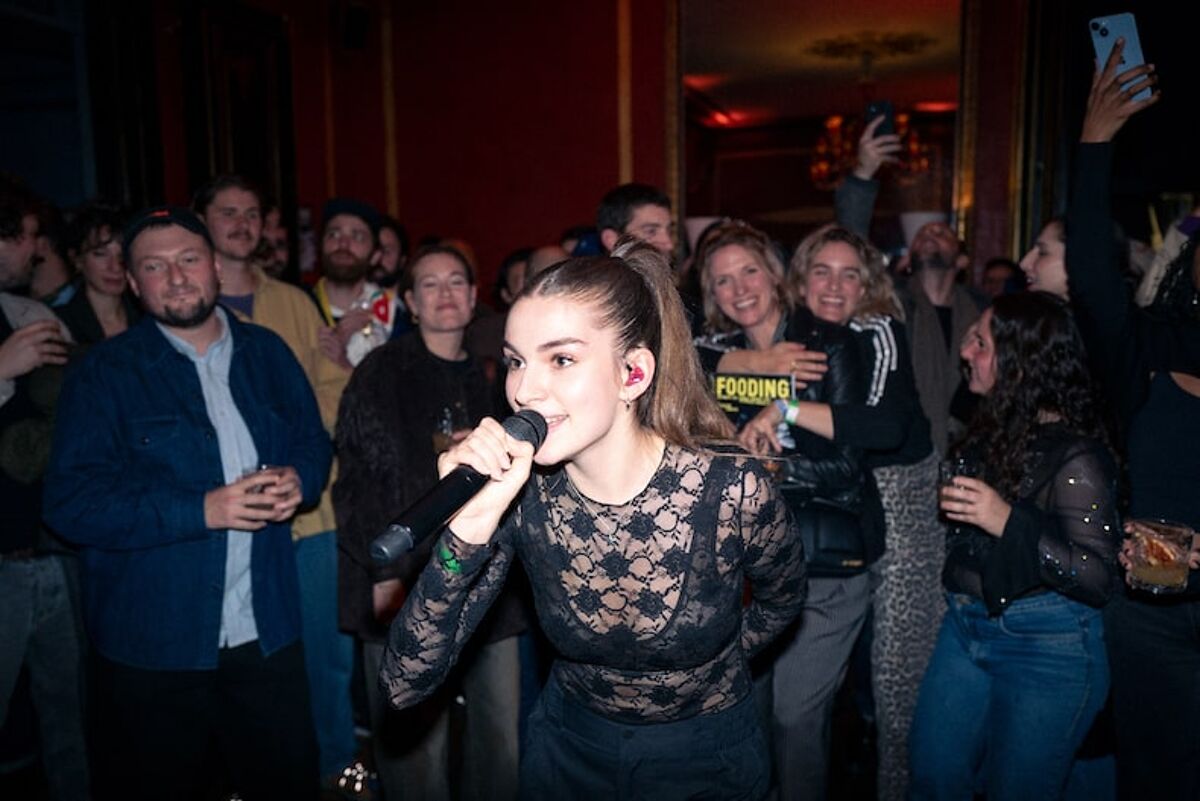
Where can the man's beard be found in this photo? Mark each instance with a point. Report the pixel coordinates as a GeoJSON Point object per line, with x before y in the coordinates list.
{"type": "Point", "coordinates": [340, 272]}
{"type": "Point", "coordinates": [383, 278]}
{"type": "Point", "coordinates": [931, 261]}
{"type": "Point", "coordinates": [191, 317]}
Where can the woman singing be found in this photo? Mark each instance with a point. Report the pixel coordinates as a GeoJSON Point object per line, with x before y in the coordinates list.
{"type": "Point", "coordinates": [1019, 671]}
{"type": "Point", "coordinates": [637, 540]}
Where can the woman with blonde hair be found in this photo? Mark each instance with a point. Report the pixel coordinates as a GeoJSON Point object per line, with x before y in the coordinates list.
{"type": "Point", "coordinates": [756, 326]}
{"type": "Point", "coordinates": [840, 278]}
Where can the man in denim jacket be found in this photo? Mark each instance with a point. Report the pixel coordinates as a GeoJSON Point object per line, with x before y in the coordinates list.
{"type": "Point", "coordinates": [190, 591]}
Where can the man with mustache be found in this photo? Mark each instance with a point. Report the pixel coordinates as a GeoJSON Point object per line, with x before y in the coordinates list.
{"type": "Point", "coordinates": [232, 209]}
{"type": "Point", "coordinates": [362, 315]}
{"type": "Point", "coordinates": [183, 449]}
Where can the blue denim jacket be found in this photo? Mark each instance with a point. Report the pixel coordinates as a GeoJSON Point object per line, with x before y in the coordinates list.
{"type": "Point", "coordinates": [134, 454]}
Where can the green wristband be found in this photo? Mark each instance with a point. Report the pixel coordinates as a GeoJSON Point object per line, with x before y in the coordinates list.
{"type": "Point", "coordinates": [449, 560]}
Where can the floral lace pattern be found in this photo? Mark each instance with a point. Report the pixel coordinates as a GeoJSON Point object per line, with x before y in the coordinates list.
{"type": "Point", "coordinates": [642, 600]}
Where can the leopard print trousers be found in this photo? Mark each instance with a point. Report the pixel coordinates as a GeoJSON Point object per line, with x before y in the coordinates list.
{"type": "Point", "coordinates": [909, 603]}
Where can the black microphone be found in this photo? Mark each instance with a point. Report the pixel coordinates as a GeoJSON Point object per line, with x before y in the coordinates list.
{"type": "Point", "coordinates": [431, 511]}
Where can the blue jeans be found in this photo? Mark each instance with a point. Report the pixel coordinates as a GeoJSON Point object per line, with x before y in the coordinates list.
{"type": "Point", "coordinates": [1007, 701]}
{"type": "Point", "coordinates": [38, 629]}
{"type": "Point", "coordinates": [328, 654]}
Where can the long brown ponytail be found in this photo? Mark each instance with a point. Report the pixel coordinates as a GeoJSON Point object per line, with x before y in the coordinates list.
{"type": "Point", "coordinates": [634, 296]}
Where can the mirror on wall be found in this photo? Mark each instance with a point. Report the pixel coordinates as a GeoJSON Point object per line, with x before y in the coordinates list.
{"type": "Point", "coordinates": [775, 93]}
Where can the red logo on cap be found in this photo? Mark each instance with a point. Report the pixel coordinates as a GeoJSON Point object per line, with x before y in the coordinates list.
{"type": "Point", "coordinates": [161, 213]}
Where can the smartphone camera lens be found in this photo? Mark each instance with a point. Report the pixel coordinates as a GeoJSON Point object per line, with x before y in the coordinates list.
{"type": "Point", "coordinates": [1095, 26]}
{"type": "Point", "coordinates": [1103, 30]}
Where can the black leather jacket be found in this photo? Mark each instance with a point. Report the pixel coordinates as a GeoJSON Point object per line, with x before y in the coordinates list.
{"type": "Point", "coordinates": [828, 470]}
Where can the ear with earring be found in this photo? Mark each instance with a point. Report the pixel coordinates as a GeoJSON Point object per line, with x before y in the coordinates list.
{"type": "Point", "coordinates": [636, 376]}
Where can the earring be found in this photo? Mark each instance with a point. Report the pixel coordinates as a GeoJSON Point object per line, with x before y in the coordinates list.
{"type": "Point", "coordinates": [635, 375]}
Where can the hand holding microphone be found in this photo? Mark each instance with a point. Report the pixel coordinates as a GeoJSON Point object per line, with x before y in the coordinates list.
{"type": "Point", "coordinates": [480, 477]}
{"type": "Point", "coordinates": [505, 460]}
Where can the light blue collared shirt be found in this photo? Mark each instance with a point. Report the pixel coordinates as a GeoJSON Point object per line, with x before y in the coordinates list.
{"type": "Point", "coordinates": [238, 454]}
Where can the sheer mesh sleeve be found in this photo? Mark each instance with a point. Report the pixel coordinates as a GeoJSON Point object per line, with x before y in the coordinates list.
{"type": "Point", "coordinates": [773, 563]}
{"type": "Point", "coordinates": [1078, 554]}
{"type": "Point", "coordinates": [1067, 541]}
{"type": "Point", "coordinates": [451, 596]}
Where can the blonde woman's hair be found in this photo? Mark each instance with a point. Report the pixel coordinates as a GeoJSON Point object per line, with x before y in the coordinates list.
{"type": "Point", "coordinates": [756, 243]}
{"type": "Point", "coordinates": [879, 295]}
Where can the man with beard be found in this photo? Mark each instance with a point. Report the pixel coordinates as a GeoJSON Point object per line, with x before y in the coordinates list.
{"type": "Point", "coordinates": [231, 207]}
{"type": "Point", "coordinates": [361, 314]}
{"type": "Point", "coordinates": [938, 309]}
{"type": "Point", "coordinates": [393, 253]}
{"type": "Point", "coordinates": [183, 449]}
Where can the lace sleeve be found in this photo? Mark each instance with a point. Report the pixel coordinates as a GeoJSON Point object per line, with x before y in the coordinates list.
{"type": "Point", "coordinates": [773, 561]}
{"type": "Point", "coordinates": [451, 596]}
{"type": "Point", "coordinates": [1068, 542]}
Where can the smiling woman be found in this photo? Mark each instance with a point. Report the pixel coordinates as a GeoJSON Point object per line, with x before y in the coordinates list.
{"type": "Point", "coordinates": [389, 431]}
{"type": "Point", "coordinates": [639, 541]}
{"type": "Point", "coordinates": [1019, 671]}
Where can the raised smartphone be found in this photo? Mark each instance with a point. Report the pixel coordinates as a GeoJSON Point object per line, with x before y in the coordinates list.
{"type": "Point", "coordinates": [1106, 31]}
{"type": "Point", "coordinates": [884, 107]}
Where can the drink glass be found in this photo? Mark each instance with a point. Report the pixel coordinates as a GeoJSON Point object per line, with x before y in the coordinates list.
{"type": "Point", "coordinates": [453, 418]}
{"type": "Point", "coordinates": [261, 488]}
{"type": "Point", "coordinates": [1160, 555]}
{"type": "Point", "coordinates": [951, 469]}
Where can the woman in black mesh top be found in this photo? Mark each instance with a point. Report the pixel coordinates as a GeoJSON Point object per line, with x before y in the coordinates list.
{"type": "Point", "coordinates": [638, 540]}
{"type": "Point", "coordinates": [1019, 670]}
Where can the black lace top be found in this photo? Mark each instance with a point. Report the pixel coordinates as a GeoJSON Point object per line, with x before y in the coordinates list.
{"type": "Point", "coordinates": [643, 601]}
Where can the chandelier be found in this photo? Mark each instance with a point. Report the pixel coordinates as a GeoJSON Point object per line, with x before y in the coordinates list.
{"type": "Point", "coordinates": [835, 152]}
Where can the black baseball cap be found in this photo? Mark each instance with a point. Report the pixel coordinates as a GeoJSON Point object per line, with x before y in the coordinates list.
{"type": "Point", "coordinates": [159, 216]}
{"type": "Point", "coordinates": [355, 208]}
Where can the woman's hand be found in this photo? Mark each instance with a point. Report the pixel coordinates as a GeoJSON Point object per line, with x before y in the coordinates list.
{"type": "Point", "coordinates": [505, 460]}
{"type": "Point", "coordinates": [1109, 105]}
{"type": "Point", "coordinates": [760, 435]}
{"type": "Point", "coordinates": [970, 500]}
{"type": "Point", "coordinates": [782, 358]}
{"type": "Point", "coordinates": [875, 151]}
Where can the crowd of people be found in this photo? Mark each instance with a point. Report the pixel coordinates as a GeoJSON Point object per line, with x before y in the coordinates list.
{"type": "Point", "coordinates": [661, 598]}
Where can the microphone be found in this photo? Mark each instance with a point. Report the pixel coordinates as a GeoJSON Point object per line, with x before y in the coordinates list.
{"type": "Point", "coordinates": [431, 511]}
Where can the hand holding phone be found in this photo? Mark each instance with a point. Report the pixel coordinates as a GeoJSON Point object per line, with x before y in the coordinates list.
{"type": "Point", "coordinates": [877, 108]}
{"type": "Point", "coordinates": [1113, 98]}
{"type": "Point", "coordinates": [879, 142]}
{"type": "Point", "coordinates": [1105, 33]}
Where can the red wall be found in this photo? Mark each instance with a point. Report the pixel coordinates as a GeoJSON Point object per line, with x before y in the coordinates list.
{"type": "Point", "coordinates": [507, 116]}
{"type": "Point", "coordinates": [506, 113]}
{"type": "Point", "coordinates": [999, 82]}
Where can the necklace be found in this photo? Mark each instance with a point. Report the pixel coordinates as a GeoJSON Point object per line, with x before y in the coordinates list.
{"type": "Point", "coordinates": [609, 536]}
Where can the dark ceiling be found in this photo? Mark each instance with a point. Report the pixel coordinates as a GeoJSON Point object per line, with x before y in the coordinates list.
{"type": "Point", "coordinates": [763, 60]}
